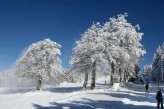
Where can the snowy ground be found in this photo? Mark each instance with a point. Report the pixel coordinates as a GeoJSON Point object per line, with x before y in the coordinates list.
{"type": "Point", "coordinates": [73, 96]}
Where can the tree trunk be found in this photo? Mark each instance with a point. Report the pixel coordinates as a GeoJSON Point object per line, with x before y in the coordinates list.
{"type": "Point", "coordinates": [112, 74]}
{"type": "Point", "coordinates": [86, 80]}
{"type": "Point", "coordinates": [39, 83]}
{"type": "Point", "coordinates": [162, 74]}
{"type": "Point", "coordinates": [93, 76]}
{"type": "Point", "coordinates": [125, 76]}
{"type": "Point", "coordinates": [120, 72]}
{"type": "Point", "coordinates": [122, 75]}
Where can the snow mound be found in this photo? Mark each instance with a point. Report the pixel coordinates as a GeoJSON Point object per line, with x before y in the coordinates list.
{"type": "Point", "coordinates": [126, 101]}
{"type": "Point", "coordinates": [118, 86]}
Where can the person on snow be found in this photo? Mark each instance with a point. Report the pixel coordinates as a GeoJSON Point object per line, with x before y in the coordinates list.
{"type": "Point", "coordinates": [159, 98]}
{"type": "Point", "coordinates": [147, 89]}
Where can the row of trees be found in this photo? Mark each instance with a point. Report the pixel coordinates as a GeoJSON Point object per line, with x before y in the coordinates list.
{"type": "Point", "coordinates": [117, 42]}
{"type": "Point", "coordinates": [113, 49]}
{"type": "Point", "coordinates": [155, 71]}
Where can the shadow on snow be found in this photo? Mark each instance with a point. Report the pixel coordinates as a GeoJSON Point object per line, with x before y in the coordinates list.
{"type": "Point", "coordinates": [105, 104]}
{"type": "Point", "coordinates": [92, 104]}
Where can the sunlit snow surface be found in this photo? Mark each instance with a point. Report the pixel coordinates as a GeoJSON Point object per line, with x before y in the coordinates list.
{"type": "Point", "coordinates": [73, 96]}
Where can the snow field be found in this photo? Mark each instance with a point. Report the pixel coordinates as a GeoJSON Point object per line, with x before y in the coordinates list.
{"type": "Point", "coordinates": [71, 96]}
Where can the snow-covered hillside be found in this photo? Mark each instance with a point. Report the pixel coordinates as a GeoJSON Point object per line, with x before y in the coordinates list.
{"type": "Point", "coordinates": [73, 96]}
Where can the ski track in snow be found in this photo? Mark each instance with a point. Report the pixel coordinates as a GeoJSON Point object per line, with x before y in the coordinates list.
{"type": "Point", "coordinates": [72, 96]}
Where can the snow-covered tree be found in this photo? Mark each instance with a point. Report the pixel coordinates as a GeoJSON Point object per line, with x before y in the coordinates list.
{"type": "Point", "coordinates": [158, 64]}
{"type": "Point", "coordinates": [123, 47]}
{"type": "Point", "coordinates": [9, 79]}
{"type": "Point", "coordinates": [116, 41]}
{"type": "Point", "coordinates": [136, 71]}
{"type": "Point", "coordinates": [40, 62]}
{"type": "Point", "coordinates": [147, 72]}
{"type": "Point", "coordinates": [87, 53]}
{"type": "Point", "coordinates": [71, 77]}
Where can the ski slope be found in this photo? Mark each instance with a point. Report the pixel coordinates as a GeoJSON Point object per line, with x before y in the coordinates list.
{"type": "Point", "coordinates": [73, 96]}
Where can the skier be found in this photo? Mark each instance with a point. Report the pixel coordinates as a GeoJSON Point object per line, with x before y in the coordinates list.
{"type": "Point", "coordinates": [159, 98]}
{"type": "Point", "coordinates": [147, 89]}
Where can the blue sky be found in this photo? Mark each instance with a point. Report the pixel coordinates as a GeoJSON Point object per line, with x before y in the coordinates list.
{"type": "Point", "coordinates": [23, 22]}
